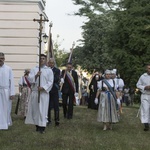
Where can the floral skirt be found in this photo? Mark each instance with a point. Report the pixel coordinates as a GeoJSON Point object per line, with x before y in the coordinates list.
{"type": "Point", "coordinates": [23, 103]}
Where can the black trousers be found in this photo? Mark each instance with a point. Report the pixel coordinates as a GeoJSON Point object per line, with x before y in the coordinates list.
{"type": "Point", "coordinates": [53, 104]}
{"type": "Point", "coordinates": [67, 100]}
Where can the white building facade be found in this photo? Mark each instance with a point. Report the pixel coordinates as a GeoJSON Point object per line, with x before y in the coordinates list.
{"type": "Point", "coordinates": [19, 34]}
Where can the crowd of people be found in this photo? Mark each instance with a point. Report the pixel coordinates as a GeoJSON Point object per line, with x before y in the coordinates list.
{"type": "Point", "coordinates": [40, 87]}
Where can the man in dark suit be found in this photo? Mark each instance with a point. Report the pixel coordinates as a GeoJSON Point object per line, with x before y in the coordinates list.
{"type": "Point", "coordinates": [69, 82]}
{"type": "Point", "coordinates": [53, 94]}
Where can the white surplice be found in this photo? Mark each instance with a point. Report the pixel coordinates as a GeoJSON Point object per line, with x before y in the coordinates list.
{"type": "Point", "coordinates": [37, 112]}
{"type": "Point", "coordinates": [143, 81]}
{"type": "Point", "coordinates": [7, 89]}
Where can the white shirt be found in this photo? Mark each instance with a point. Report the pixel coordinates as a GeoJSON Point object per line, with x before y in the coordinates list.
{"type": "Point", "coordinates": [110, 81]}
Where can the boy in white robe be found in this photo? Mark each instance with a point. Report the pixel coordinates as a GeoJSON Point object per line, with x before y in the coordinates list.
{"type": "Point", "coordinates": [38, 108]}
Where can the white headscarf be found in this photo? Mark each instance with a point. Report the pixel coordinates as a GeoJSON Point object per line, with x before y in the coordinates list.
{"type": "Point", "coordinates": [107, 72]}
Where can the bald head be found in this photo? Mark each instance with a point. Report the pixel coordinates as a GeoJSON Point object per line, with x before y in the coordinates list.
{"type": "Point", "coordinates": [51, 62]}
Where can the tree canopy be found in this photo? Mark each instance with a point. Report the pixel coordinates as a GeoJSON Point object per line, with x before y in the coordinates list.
{"type": "Point", "coordinates": [116, 35]}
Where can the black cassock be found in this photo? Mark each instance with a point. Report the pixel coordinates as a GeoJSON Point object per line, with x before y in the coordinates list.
{"type": "Point", "coordinates": [93, 91]}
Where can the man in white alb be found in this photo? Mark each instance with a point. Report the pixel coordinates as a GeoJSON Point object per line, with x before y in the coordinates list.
{"type": "Point", "coordinates": [7, 92]}
{"type": "Point", "coordinates": [144, 85]}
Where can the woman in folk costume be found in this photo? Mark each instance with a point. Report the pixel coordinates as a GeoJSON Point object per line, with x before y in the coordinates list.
{"type": "Point", "coordinates": [24, 92]}
{"type": "Point", "coordinates": [107, 112]}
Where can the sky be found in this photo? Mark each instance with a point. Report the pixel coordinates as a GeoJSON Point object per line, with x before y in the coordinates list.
{"type": "Point", "coordinates": [66, 26]}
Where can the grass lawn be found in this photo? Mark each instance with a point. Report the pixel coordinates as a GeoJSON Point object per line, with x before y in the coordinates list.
{"type": "Point", "coordinates": [83, 132]}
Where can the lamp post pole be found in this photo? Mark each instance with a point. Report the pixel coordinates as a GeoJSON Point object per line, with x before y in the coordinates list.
{"type": "Point", "coordinates": [40, 21]}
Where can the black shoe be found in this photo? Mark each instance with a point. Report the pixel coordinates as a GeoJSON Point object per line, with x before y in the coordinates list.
{"type": "Point", "coordinates": [42, 130]}
{"type": "Point", "coordinates": [146, 129]}
{"type": "Point", "coordinates": [49, 123]}
{"type": "Point", "coordinates": [56, 123]}
{"type": "Point", "coordinates": [146, 126]}
{"type": "Point", "coordinates": [69, 117]}
{"type": "Point", "coordinates": [37, 128]}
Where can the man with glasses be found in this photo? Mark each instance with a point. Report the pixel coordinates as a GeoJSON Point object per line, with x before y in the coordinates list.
{"type": "Point", "coordinates": [38, 108]}
{"type": "Point", "coordinates": [7, 92]}
{"type": "Point", "coordinates": [144, 85]}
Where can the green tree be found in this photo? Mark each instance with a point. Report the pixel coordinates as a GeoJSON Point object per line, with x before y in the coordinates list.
{"type": "Point", "coordinates": [116, 34]}
{"type": "Point", "coordinates": [94, 52]}
{"type": "Point", "coordinates": [59, 54]}
{"type": "Point", "coordinates": [130, 39]}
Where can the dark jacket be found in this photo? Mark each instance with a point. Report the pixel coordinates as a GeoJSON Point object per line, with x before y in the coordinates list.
{"type": "Point", "coordinates": [66, 86]}
{"type": "Point", "coordinates": [56, 73]}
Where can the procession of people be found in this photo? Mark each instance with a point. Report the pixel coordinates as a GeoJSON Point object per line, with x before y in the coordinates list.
{"type": "Point", "coordinates": [39, 90]}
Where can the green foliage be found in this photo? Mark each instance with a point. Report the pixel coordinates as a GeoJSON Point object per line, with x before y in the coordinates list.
{"type": "Point", "coordinates": [116, 35]}
{"type": "Point", "coordinates": [94, 53]}
{"type": "Point", "coordinates": [131, 39]}
{"type": "Point", "coordinates": [60, 55]}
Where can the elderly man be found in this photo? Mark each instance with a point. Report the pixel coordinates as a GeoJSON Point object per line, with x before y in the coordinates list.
{"type": "Point", "coordinates": [54, 95]}
{"type": "Point", "coordinates": [7, 92]}
{"type": "Point", "coordinates": [37, 110]}
{"type": "Point", "coordinates": [144, 85]}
